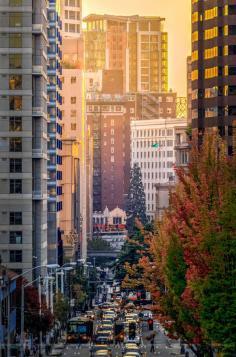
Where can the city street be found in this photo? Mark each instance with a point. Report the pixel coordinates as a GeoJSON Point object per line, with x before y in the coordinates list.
{"type": "Point", "coordinates": [162, 348]}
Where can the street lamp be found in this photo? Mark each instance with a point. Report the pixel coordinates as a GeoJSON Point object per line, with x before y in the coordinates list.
{"type": "Point", "coordinates": [50, 266]}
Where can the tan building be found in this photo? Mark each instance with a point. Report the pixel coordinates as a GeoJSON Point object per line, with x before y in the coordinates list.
{"type": "Point", "coordinates": [71, 129]}
{"type": "Point", "coordinates": [137, 45]}
{"type": "Point", "coordinates": [76, 144]}
{"type": "Point", "coordinates": [71, 13]}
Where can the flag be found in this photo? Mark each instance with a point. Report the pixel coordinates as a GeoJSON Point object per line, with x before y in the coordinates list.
{"type": "Point", "coordinates": [156, 146]}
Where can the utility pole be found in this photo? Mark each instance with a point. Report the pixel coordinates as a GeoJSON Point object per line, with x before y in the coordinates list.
{"type": "Point", "coordinates": [8, 319]}
{"type": "Point", "coordinates": [40, 317]}
{"type": "Point", "coordinates": [22, 319]}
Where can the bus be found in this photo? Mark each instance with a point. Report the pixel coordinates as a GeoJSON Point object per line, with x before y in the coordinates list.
{"type": "Point", "coordinates": [79, 330]}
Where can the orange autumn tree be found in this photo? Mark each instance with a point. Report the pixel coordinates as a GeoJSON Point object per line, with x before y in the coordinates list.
{"type": "Point", "coordinates": [182, 249]}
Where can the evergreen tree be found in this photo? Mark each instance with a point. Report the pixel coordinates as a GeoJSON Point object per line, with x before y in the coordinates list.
{"type": "Point", "coordinates": [136, 205]}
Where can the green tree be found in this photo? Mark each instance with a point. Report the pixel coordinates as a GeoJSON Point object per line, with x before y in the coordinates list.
{"type": "Point", "coordinates": [127, 264]}
{"type": "Point", "coordinates": [61, 308]}
{"type": "Point", "coordinates": [218, 291]}
{"type": "Point", "coordinates": [194, 252]}
{"type": "Point", "coordinates": [98, 244]}
{"type": "Point", "coordinates": [136, 201]}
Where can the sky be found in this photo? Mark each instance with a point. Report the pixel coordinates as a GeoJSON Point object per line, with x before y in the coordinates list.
{"type": "Point", "coordinates": [178, 25]}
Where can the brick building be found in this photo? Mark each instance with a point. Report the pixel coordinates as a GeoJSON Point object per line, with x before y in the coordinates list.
{"type": "Point", "coordinates": [109, 118]}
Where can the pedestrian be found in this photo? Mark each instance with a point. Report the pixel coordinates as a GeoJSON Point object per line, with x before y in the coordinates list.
{"type": "Point", "coordinates": [152, 345]}
{"type": "Point", "coordinates": [186, 354]}
{"type": "Point", "coordinates": [34, 349]}
{"type": "Point", "coordinates": [27, 351]}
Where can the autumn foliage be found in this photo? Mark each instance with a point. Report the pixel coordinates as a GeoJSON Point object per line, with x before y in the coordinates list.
{"type": "Point", "coordinates": [191, 266]}
{"type": "Point", "coordinates": [194, 252]}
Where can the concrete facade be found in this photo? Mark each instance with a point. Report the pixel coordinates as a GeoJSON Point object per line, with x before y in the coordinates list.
{"type": "Point", "coordinates": [54, 130]}
{"type": "Point", "coordinates": [71, 128]}
{"type": "Point", "coordinates": [153, 149]}
{"type": "Point", "coordinates": [71, 14]}
{"type": "Point", "coordinates": [23, 141]}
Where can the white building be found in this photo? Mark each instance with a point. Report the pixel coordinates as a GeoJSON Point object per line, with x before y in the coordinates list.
{"type": "Point", "coordinates": [153, 148]}
{"type": "Point", "coordinates": [115, 217]}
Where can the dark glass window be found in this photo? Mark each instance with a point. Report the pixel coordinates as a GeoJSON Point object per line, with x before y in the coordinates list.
{"type": "Point", "coordinates": [232, 70]}
{"type": "Point", "coordinates": [15, 218]}
{"type": "Point", "coordinates": [15, 256]}
{"type": "Point", "coordinates": [15, 124]}
{"type": "Point", "coordinates": [232, 10]}
{"type": "Point", "coordinates": [232, 50]}
{"type": "Point", "coordinates": [221, 130]}
{"type": "Point", "coordinates": [15, 165]}
{"type": "Point", "coordinates": [15, 144]}
{"type": "Point", "coordinates": [232, 90]}
{"type": "Point", "coordinates": [230, 130]}
{"type": "Point", "coordinates": [232, 110]}
{"type": "Point", "coordinates": [232, 30]}
{"type": "Point", "coordinates": [220, 70]}
{"type": "Point", "coordinates": [15, 237]}
{"type": "Point", "coordinates": [15, 186]}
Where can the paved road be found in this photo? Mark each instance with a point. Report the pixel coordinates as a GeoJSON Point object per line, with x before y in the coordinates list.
{"type": "Point", "coordinates": [162, 347]}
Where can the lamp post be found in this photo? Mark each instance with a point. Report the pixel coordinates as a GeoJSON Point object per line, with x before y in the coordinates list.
{"type": "Point", "coordinates": [50, 266]}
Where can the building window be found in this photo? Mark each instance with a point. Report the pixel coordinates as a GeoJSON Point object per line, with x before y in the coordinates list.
{"type": "Point", "coordinates": [15, 165]}
{"type": "Point", "coordinates": [15, 40]}
{"type": "Point", "coordinates": [15, 256]}
{"type": "Point", "coordinates": [15, 19]}
{"type": "Point", "coordinates": [15, 81]}
{"type": "Point", "coordinates": [15, 2]}
{"type": "Point", "coordinates": [15, 186]}
{"type": "Point", "coordinates": [73, 100]}
{"type": "Point", "coordinates": [169, 154]}
{"type": "Point", "coordinates": [15, 61]}
{"type": "Point", "coordinates": [15, 237]}
{"type": "Point", "coordinates": [73, 126]}
{"type": "Point", "coordinates": [71, 27]}
{"type": "Point", "coordinates": [15, 102]}
{"type": "Point", "coordinates": [73, 80]}
{"type": "Point", "coordinates": [15, 218]}
{"type": "Point", "coordinates": [15, 144]}
{"type": "Point", "coordinates": [73, 113]}
{"type": "Point", "coordinates": [15, 124]}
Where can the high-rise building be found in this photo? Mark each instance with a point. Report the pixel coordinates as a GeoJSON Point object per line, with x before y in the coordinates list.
{"type": "Point", "coordinates": [71, 112]}
{"type": "Point", "coordinates": [155, 105]}
{"type": "Point", "coordinates": [153, 149]}
{"type": "Point", "coordinates": [23, 138]}
{"type": "Point", "coordinates": [71, 13]}
{"type": "Point", "coordinates": [189, 89]}
{"type": "Point", "coordinates": [137, 45]}
{"type": "Point", "coordinates": [214, 67]}
{"type": "Point", "coordinates": [109, 119]}
{"type": "Point", "coordinates": [54, 130]}
{"type": "Point", "coordinates": [76, 215]}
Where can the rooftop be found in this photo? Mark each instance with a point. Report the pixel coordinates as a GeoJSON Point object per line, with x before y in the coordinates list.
{"type": "Point", "coordinates": [134, 18]}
